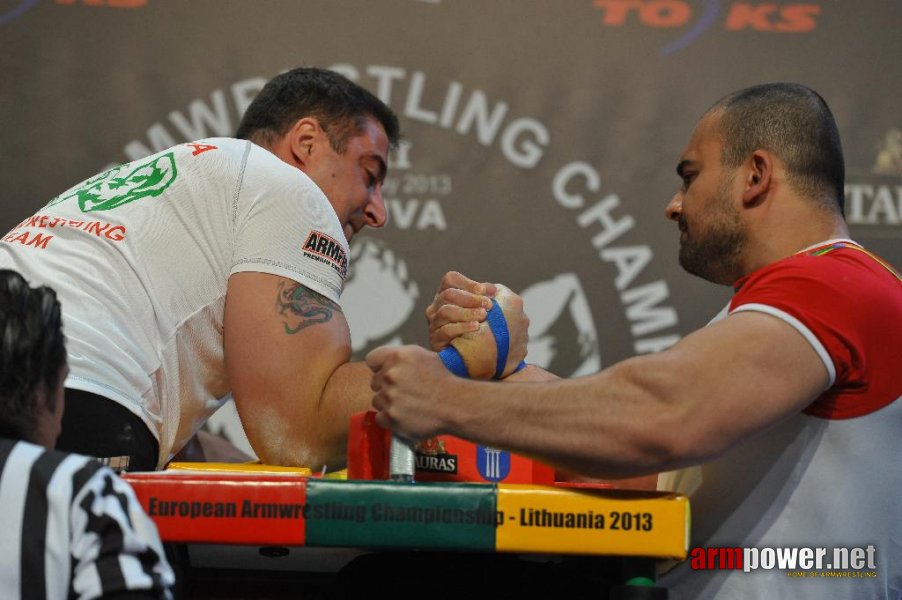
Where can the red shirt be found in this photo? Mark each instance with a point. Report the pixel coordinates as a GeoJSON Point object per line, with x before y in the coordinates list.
{"type": "Point", "coordinates": [848, 304]}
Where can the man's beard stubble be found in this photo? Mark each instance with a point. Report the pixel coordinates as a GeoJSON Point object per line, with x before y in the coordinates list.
{"type": "Point", "coordinates": [715, 257]}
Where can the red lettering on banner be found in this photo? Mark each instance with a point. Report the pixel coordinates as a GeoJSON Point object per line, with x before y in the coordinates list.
{"type": "Point", "coordinates": [744, 16]}
{"type": "Point", "coordinates": [766, 16]}
{"type": "Point", "coordinates": [665, 13]}
{"type": "Point", "coordinates": [109, 3]}
{"type": "Point", "coordinates": [616, 11]}
{"type": "Point", "coordinates": [799, 18]}
{"type": "Point", "coordinates": [654, 13]}
{"type": "Point", "coordinates": [200, 148]}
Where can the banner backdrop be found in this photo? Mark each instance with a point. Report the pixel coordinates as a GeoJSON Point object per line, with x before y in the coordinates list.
{"type": "Point", "coordinates": [540, 136]}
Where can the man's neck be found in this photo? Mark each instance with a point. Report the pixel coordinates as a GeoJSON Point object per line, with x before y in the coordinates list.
{"type": "Point", "coordinates": [791, 236]}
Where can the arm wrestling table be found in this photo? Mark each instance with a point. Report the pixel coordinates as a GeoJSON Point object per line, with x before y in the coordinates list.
{"type": "Point", "coordinates": [420, 531]}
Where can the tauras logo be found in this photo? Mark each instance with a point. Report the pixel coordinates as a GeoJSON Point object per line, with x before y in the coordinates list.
{"type": "Point", "coordinates": [321, 245]}
{"type": "Point", "coordinates": [431, 457]}
{"type": "Point", "coordinates": [438, 463]}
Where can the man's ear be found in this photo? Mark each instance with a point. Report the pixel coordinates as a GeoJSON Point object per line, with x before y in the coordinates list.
{"type": "Point", "coordinates": [301, 138]}
{"type": "Point", "coordinates": [758, 178]}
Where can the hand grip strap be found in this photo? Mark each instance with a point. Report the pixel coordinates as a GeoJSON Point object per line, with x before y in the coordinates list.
{"type": "Point", "coordinates": [454, 362]}
{"type": "Point", "coordinates": [498, 325]}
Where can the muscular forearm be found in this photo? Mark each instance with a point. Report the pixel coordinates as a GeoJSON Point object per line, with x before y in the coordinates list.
{"type": "Point", "coordinates": [531, 373]}
{"type": "Point", "coordinates": [689, 403]}
{"type": "Point", "coordinates": [685, 405]}
{"type": "Point", "coordinates": [347, 392]}
{"type": "Point", "coordinates": [606, 425]}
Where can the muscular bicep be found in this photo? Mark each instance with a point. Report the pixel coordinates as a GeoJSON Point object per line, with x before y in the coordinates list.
{"type": "Point", "coordinates": [737, 377]}
{"type": "Point", "coordinates": [283, 341]}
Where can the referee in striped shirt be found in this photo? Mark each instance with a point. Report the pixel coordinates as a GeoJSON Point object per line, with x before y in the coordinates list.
{"type": "Point", "coordinates": [70, 527]}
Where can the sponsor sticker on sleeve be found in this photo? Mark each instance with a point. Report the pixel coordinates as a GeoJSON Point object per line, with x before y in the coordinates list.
{"type": "Point", "coordinates": [326, 249]}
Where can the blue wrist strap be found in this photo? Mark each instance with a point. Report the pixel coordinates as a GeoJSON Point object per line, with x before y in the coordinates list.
{"type": "Point", "coordinates": [454, 362]}
{"type": "Point", "coordinates": [498, 325]}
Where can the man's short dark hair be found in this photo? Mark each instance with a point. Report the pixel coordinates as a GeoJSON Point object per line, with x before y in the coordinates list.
{"type": "Point", "coordinates": [32, 353]}
{"type": "Point", "coordinates": [793, 122]}
{"type": "Point", "coordinates": [340, 105]}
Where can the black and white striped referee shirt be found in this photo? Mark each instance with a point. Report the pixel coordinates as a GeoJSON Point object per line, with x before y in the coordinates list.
{"type": "Point", "coordinates": [71, 528]}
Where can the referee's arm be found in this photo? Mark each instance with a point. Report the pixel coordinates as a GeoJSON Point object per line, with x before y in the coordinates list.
{"type": "Point", "coordinates": [116, 550]}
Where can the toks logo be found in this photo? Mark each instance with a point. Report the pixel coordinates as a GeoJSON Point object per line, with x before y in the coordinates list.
{"type": "Point", "coordinates": [739, 16]}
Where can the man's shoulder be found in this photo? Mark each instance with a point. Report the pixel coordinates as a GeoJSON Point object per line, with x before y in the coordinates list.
{"type": "Point", "coordinates": [227, 148]}
{"type": "Point", "coordinates": [846, 283]}
{"type": "Point", "coordinates": [838, 267]}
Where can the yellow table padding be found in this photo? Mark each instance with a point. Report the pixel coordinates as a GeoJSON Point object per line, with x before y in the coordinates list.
{"type": "Point", "coordinates": [571, 521]}
{"type": "Point", "coordinates": [255, 468]}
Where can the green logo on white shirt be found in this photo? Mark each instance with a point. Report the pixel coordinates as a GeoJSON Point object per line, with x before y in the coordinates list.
{"type": "Point", "coordinates": [123, 184]}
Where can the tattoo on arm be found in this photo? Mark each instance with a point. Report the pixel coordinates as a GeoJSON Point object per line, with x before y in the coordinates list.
{"type": "Point", "coordinates": [302, 307]}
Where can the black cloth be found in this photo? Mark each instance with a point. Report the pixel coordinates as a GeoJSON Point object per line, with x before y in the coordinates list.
{"type": "Point", "coordinates": [100, 427]}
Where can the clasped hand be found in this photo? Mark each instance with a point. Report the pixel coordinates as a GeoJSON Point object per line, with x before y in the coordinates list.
{"type": "Point", "coordinates": [411, 386]}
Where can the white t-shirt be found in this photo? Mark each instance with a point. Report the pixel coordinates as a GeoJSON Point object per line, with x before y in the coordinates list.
{"type": "Point", "coordinates": [140, 256]}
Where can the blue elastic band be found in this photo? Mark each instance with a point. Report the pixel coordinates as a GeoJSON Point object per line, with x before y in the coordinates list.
{"type": "Point", "coordinates": [498, 325]}
{"type": "Point", "coordinates": [454, 362]}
